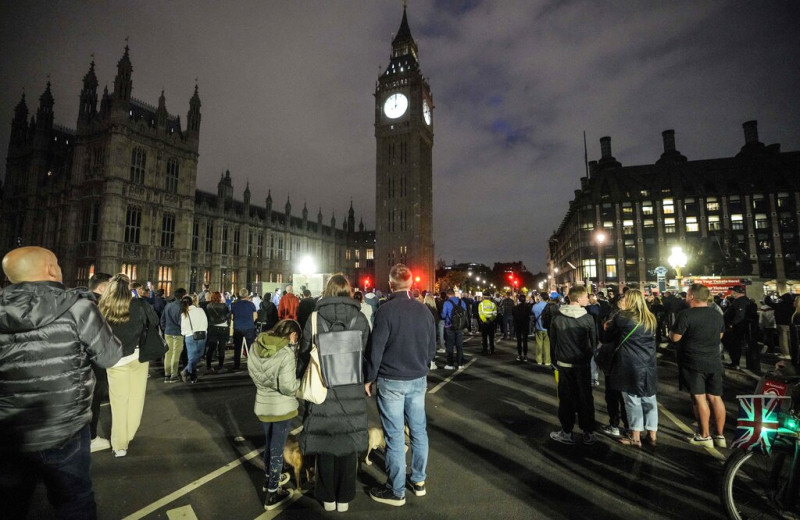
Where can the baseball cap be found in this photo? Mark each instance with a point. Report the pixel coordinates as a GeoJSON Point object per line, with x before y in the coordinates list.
{"type": "Point", "coordinates": [738, 289]}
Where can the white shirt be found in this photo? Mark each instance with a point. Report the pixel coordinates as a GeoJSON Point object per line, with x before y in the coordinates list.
{"type": "Point", "coordinates": [198, 321]}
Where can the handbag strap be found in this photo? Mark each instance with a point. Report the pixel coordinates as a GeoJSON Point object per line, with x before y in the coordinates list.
{"type": "Point", "coordinates": [189, 315]}
{"type": "Point", "coordinates": [626, 337]}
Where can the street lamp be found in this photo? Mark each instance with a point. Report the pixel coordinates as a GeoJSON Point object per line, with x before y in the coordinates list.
{"type": "Point", "coordinates": [600, 239]}
{"type": "Point", "coordinates": [306, 268]}
{"type": "Point", "coordinates": [678, 260]}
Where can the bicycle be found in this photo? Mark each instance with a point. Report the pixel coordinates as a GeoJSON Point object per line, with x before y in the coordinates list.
{"type": "Point", "coordinates": [761, 478]}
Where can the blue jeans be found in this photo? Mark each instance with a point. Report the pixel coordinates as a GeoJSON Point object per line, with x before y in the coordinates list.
{"type": "Point", "coordinates": [642, 412]}
{"type": "Point", "coordinates": [275, 433]}
{"type": "Point", "coordinates": [65, 471]}
{"type": "Point", "coordinates": [194, 351]}
{"type": "Point", "coordinates": [402, 401]}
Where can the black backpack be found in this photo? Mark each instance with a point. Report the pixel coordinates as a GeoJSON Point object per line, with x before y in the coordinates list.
{"type": "Point", "coordinates": [547, 315]}
{"type": "Point", "coordinates": [458, 316]}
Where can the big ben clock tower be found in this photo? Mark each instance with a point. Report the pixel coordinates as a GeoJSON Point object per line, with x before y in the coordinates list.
{"type": "Point", "coordinates": [404, 152]}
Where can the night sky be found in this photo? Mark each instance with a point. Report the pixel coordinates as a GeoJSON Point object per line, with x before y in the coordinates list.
{"type": "Point", "coordinates": [287, 92]}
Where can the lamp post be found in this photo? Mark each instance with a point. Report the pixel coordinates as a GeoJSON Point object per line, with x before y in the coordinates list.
{"type": "Point", "coordinates": [678, 260]}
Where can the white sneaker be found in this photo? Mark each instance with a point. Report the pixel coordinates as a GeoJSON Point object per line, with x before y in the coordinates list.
{"type": "Point", "coordinates": [342, 507]}
{"type": "Point", "coordinates": [433, 365]}
{"type": "Point", "coordinates": [562, 437]}
{"type": "Point", "coordinates": [120, 453]}
{"type": "Point", "coordinates": [99, 444]}
{"type": "Point", "coordinates": [449, 367]}
{"type": "Point", "coordinates": [329, 506]}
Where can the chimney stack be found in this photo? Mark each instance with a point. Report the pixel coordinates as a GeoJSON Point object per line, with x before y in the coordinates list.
{"type": "Point", "coordinates": [669, 140]}
{"type": "Point", "coordinates": [605, 147]}
{"type": "Point", "coordinates": [750, 132]}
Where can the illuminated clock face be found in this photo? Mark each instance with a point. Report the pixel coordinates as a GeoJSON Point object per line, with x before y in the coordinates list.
{"type": "Point", "coordinates": [395, 106]}
{"type": "Point", "coordinates": [426, 112]}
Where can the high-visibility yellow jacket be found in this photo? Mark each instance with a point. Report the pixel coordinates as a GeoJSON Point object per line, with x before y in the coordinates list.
{"type": "Point", "coordinates": [487, 310]}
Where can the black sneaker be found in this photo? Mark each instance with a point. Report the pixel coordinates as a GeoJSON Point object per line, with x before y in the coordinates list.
{"type": "Point", "coordinates": [185, 376]}
{"type": "Point", "coordinates": [276, 498]}
{"type": "Point", "coordinates": [417, 488]}
{"type": "Point", "coordinates": [385, 495]}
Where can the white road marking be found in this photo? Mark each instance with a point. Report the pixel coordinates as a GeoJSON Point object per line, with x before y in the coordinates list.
{"type": "Point", "coordinates": [451, 376]}
{"type": "Point", "coordinates": [269, 515]}
{"type": "Point", "coordinates": [158, 504]}
{"type": "Point", "coordinates": [182, 513]}
{"type": "Point", "coordinates": [680, 424]}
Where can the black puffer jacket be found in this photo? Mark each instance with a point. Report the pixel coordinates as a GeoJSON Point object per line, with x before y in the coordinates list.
{"type": "Point", "coordinates": [339, 425]}
{"type": "Point", "coordinates": [634, 368]}
{"type": "Point", "coordinates": [49, 337]}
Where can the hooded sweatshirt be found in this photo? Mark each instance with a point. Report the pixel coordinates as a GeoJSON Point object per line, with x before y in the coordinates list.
{"type": "Point", "coordinates": [573, 336]}
{"type": "Point", "coordinates": [271, 365]}
{"type": "Point", "coordinates": [49, 338]}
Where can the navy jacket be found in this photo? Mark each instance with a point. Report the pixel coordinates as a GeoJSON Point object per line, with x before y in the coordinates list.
{"type": "Point", "coordinates": [403, 340]}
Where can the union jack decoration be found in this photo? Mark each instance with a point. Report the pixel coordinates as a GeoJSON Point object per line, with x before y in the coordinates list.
{"type": "Point", "coordinates": [757, 424]}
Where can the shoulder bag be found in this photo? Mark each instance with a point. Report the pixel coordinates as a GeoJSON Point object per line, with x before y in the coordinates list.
{"type": "Point", "coordinates": [311, 387]}
{"type": "Point", "coordinates": [604, 355]}
{"type": "Point", "coordinates": [196, 335]}
{"type": "Point", "coordinates": [340, 354]}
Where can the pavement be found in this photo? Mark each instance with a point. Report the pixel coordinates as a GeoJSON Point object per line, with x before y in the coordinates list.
{"type": "Point", "coordinates": [198, 453]}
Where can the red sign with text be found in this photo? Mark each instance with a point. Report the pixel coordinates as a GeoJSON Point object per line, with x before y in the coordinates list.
{"type": "Point", "coordinates": [719, 285]}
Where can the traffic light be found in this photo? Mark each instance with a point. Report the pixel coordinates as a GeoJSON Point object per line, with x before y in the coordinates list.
{"type": "Point", "coordinates": [367, 282]}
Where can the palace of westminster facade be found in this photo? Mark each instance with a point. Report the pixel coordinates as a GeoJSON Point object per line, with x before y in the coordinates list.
{"type": "Point", "coordinates": [119, 194]}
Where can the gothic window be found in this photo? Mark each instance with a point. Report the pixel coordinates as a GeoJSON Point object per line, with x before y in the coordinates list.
{"type": "Point", "coordinates": [260, 248]}
{"type": "Point", "coordinates": [133, 225]}
{"type": "Point", "coordinates": [172, 176]}
{"type": "Point", "coordinates": [209, 237]}
{"type": "Point", "coordinates": [138, 160]}
{"type": "Point", "coordinates": [165, 278]}
{"type": "Point", "coordinates": [224, 240]}
{"type": "Point", "coordinates": [98, 158]}
{"type": "Point", "coordinates": [195, 235]}
{"type": "Point", "coordinates": [89, 222]}
{"type": "Point", "coordinates": [129, 270]}
{"type": "Point", "coordinates": [168, 230]}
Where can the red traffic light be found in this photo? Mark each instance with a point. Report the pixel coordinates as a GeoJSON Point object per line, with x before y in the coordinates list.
{"type": "Point", "coordinates": [367, 282]}
{"type": "Point", "coordinates": [417, 279]}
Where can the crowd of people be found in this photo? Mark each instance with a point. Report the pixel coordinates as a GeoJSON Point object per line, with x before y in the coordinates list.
{"type": "Point", "coordinates": [62, 352]}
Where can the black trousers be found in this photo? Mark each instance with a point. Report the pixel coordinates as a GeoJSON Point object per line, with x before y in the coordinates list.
{"type": "Point", "coordinates": [99, 395]}
{"type": "Point", "coordinates": [487, 333]}
{"type": "Point", "coordinates": [215, 344]}
{"type": "Point", "coordinates": [734, 342]}
{"type": "Point", "coordinates": [336, 478]}
{"type": "Point", "coordinates": [616, 407]}
{"type": "Point", "coordinates": [521, 330]}
{"type": "Point", "coordinates": [238, 334]}
{"type": "Point", "coordinates": [575, 397]}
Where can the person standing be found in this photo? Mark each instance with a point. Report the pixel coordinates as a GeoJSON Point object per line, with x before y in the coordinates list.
{"type": "Point", "coordinates": [244, 325]}
{"type": "Point", "coordinates": [127, 380]}
{"type": "Point", "coordinates": [573, 337]}
{"type": "Point", "coordinates": [219, 323]}
{"type": "Point", "coordinates": [193, 323]}
{"type": "Point", "coordinates": [487, 314]}
{"type": "Point", "coordinates": [633, 368]}
{"type": "Point", "coordinates": [49, 338]}
{"type": "Point", "coordinates": [402, 347]}
{"type": "Point", "coordinates": [541, 337]}
{"type": "Point", "coordinates": [271, 365]}
{"type": "Point", "coordinates": [522, 323]}
{"type": "Point", "coordinates": [453, 332]}
{"type": "Point", "coordinates": [698, 331]}
{"type": "Point", "coordinates": [287, 308]}
{"type": "Point", "coordinates": [97, 285]}
{"type": "Point", "coordinates": [171, 326]}
{"type": "Point", "coordinates": [305, 308]}
{"type": "Point", "coordinates": [335, 430]}
{"type": "Point", "coordinates": [784, 308]}
{"type": "Point", "coordinates": [736, 325]}
{"type": "Point", "coordinates": [507, 306]}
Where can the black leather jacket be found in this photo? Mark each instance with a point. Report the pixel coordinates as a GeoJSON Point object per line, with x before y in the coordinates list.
{"type": "Point", "coordinates": [49, 337]}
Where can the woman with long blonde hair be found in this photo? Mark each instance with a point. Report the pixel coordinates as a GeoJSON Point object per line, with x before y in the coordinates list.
{"type": "Point", "coordinates": [634, 370]}
{"type": "Point", "coordinates": [127, 380]}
